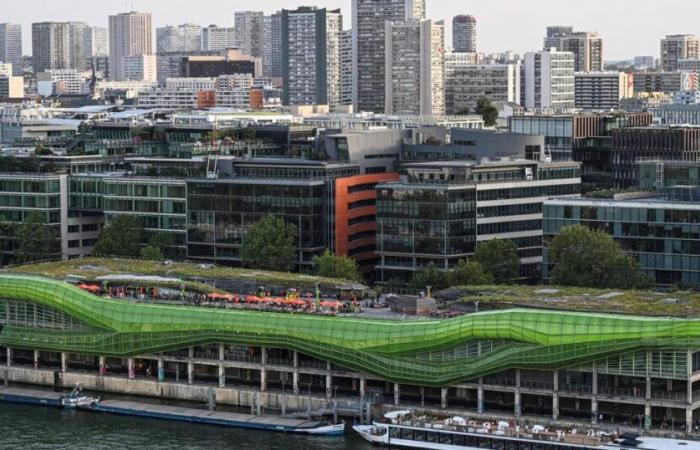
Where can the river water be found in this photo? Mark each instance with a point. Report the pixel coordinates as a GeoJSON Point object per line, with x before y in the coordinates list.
{"type": "Point", "coordinates": [35, 427]}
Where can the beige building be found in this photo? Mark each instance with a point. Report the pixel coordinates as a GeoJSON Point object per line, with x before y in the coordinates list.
{"type": "Point", "coordinates": [415, 67]}
{"type": "Point", "coordinates": [140, 68]}
{"type": "Point", "coordinates": [677, 47]}
{"type": "Point", "coordinates": [587, 47]}
{"type": "Point", "coordinates": [130, 34]}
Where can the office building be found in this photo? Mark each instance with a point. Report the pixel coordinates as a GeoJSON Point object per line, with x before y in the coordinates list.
{"type": "Point", "coordinates": [233, 62]}
{"type": "Point", "coordinates": [549, 80]}
{"type": "Point", "coordinates": [140, 68]}
{"type": "Point", "coordinates": [130, 34]}
{"type": "Point", "coordinates": [415, 67]}
{"type": "Point", "coordinates": [272, 51]}
{"type": "Point", "coordinates": [667, 143]}
{"type": "Point", "coordinates": [587, 47]}
{"type": "Point", "coordinates": [369, 19]}
{"type": "Point", "coordinates": [179, 38]}
{"type": "Point", "coordinates": [218, 38]}
{"type": "Point", "coordinates": [78, 33]}
{"type": "Point", "coordinates": [311, 56]}
{"type": "Point", "coordinates": [464, 34]}
{"type": "Point", "coordinates": [96, 42]}
{"type": "Point", "coordinates": [466, 83]}
{"type": "Point", "coordinates": [50, 46]}
{"type": "Point", "coordinates": [11, 47]}
{"type": "Point", "coordinates": [346, 70]}
{"type": "Point", "coordinates": [667, 82]}
{"type": "Point", "coordinates": [686, 97]}
{"type": "Point", "coordinates": [11, 86]}
{"type": "Point", "coordinates": [61, 82]}
{"type": "Point", "coordinates": [442, 211]}
{"type": "Point", "coordinates": [677, 114]}
{"type": "Point", "coordinates": [602, 91]}
{"type": "Point", "coordinates": [644, 62]}
{"type": "Point", "coordinates": [689, 65]}
{"type": "Point", "coordinates": [250, 32]}
{"type": "Point", "coordinates": [677, 47]}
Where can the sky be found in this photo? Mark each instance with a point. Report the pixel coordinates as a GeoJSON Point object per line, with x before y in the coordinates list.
{"type": "Point", "coordinates": [630, 27]}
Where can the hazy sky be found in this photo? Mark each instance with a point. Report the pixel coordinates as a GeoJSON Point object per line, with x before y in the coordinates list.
{"type": "Point", "coordinates": [629, 27]}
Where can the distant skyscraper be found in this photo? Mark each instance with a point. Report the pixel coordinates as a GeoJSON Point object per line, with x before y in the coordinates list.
{"type": "Point", "coordinates": [130, 34]}
{"type": "Point", "coordinates": [676, 47]}
{"type": "Point", "coordinates": [11, 47]}
{"type": "Point", "coordinates": [311, 51]}
{"type": "Point", "coordinates": [415, 67]}
{"type": "Point", "coordinates": [368, 25]}
{"type": "Point", "coordinates": [249, 32]}
{"type": "Point", "coordinates": [96, 42]}
{"type": "Point", "coordinates": [179, 38]}
{"type": "Point", "coordinates": [77, 32]}
{"type": "Point", "coordinates": [50, 46]}
{"type": "Point", "coordinates": [549, 80]}
{"type": "Point", "coordinates": [346, 68]}
{"type": "Point", "coordinates": [587, 47]}
{"type": "Point", "coordinates": [272, 49]}
{"type": "Point", "coordinates": [218, 38]}
{"type": "Point", "coordinates": [464, 34]}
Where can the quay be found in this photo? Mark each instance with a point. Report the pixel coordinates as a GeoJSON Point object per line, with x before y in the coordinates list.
{"type": "Point", "coordinates": [31, 397]}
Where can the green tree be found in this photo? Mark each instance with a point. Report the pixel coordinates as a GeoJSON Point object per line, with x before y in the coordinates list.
{"type": "Point", "coordinates": [469, 273]}
{"type": "Point", "coordinates": [463, 112]}
{"type": "Point", "coordinates": [270, 245]}
{"type": "Point", "coordinates": [332, 266]}
{"type": "Point", "coordinates": [431, 276]}
{"type": "Point", "coordinates": [584, 257]}
{"type": "Point", "coordinates": [121, 237]}
{"type": "Point", "coordinates": [499, 258]}
{"type": "Point", "coordinates": [151, 252]}
{"type": "Point", "coordinates": [247, 133]}
{"type": "Point", "coordinates": [485, 109]}
{"type": "Point", "coordinates": [162, 242]}
{"type": "Point", "coordinates": [36, 240]}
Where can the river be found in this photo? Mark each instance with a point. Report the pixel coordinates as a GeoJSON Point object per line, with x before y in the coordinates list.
{"type": "Point", "coordinates": [34, 427]}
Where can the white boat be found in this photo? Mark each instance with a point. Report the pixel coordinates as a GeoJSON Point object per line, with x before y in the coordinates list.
{"type": "Point", "coordinates": [404, 431]}
{"type": "Point", "coordinates": [326, 430]}
{"type": "Point", "coordinates": [78, 399]}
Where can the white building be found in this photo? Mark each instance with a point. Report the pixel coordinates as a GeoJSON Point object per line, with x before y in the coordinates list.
{"type": "Point", "coordinates": [466, 83]}
{"type": "Point", "coordinates": [140, 68]}
{"type": "Point", "coordinates": [346, 70]}
{"type": "Point", "coordinates": [586, 46]}
{"type": "Point", "coordinates": [677, 47]}
{"type": "Point", "coordinates": [218, 38]}
{"type": "Point", "coordinates": [179, 38]}
{"type": "Point", "coordinates": [127, 89]}
{"type": "Point", "coordinates": [233, 91]}
{"type": "Point", "coordinates": [61, 82]}
{"type": "Point", "coordinates": [549, 80]}
{"type": "Point", "coordinates": [130, 34]}
{"type": "Point", "coordinates": [96, 42]}
{"type": "Point", "coordinates": [602, 91]}
{"type": "Point", "coordinates": [686, 98]}
{"type": "Point", "coordinates": [415, 67]}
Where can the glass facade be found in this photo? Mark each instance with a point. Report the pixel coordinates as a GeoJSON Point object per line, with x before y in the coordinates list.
{"type": "Point", "coordinates": [663, 236]}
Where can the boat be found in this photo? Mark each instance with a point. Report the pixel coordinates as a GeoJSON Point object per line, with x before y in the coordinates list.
{"type": "Point", "coordinates": [324, 430]}
{"type": "Point", "coordinates": [77, 399]}
{"type": "Point", "coordinates": [405, 430]}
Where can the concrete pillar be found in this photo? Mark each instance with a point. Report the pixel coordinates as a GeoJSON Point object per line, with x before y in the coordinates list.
{"type": "Point", "coordinates": [480, 397]}
{"type": "Point", "coordinates": [594, 378]}
{"type": "Point", "coordinates": [103, 365]}
{"type": "Point", "coordinates": [443, 398]}
{"type": "Point", "coordinates": [518, 405]}
{"type": "Point", "coordinates": [36, 359]}
{"type": "Point", "coordinates": [295, 381]}
{"type": "Point", "coordinates": [397, 394]}
{"type": "Point", "coordinates": [647, 391]}
{"type": "Point", "coordinates": [422, 396]}
{"type": "Point", "coordinates": [688, 419]}
{"type": "Point", "coordinates": [64, 361]}
{"type": "Point", "coordinates": [263, 380]}
{"type": "Point", "coordinates": [647, 412]}
{"type": "Point", "coordinates": [161, 369]}
{"type": "Point", "coordinates": [263, 355]}
{"type": "Point", "coordinates": [9, 357]}
{"type": "Point", "coordinates": [363, 388]}
{"type": "Point", "coordinates": [329, 385]}
{"type": "Point", "coordinates": [190, 365]}
{"type": "Point", "coordinates": [594, 410]}
{"type": "Point", "coordinates": [555, 395]}
{"type": "Point", "coordinates": [222, 370]}
{"type": "Point", "coordinates": [130, 368]}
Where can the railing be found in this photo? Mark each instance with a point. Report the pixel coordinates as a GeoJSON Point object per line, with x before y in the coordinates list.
{"type": "Point", "coordinates": [672, 395]}
{"type": "Point", "coordinates": [576, 388]}
{"type": "Point", "coordinates": [618, 391]}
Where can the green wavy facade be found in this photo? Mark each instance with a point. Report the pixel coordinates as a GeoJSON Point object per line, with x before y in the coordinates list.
{"type": "Point", "coordinates": [397, 351]}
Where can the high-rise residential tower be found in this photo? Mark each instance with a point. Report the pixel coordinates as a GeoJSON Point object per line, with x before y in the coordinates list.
{"type": "Point", "coordinates": [96, 42]}
{"type": "Point", "coordinates": [50, 46]}
{"type": "Point", "coordinates": [346, 68]}
{"type": "Point", "coordinates": [311, 56]}
{"type": "Point", "coordinates": [415, 67]}
{"type": "Point", "coordinates": [549, 80]}
{"type": "Point", "coordinates": [130, 34]}
{"type": "Point", "coordinates": [368, 24]}
{"type": "Point", "coordinates": [218, 38]}
{"type": "Point", "coordinates": [676, 47]}
{"type": "Point", "coordinates": [586, 46]}
{"type": "Point", "coordinates": [11, 47]}
{"type": "Point", "coordinates": [179, 38]}
{"type": "Point", "coordinates": [464, 34]}
{"type": "Point", "coordinates": [250, 29]}
{"type": "Point", "coordinates": [272, 48]}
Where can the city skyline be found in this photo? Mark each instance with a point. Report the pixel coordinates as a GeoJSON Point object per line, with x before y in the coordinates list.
{"type": "Point", "coordinates": [498, 21]}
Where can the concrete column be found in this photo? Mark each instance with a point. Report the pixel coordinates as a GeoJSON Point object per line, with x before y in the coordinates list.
{"type": "Point", "coordinates": [518, 405]}
{"type": "Point", "coordinates": [64, 361]}
{"type": "Point", "coordinates": [295, 375]}
{"type": "Point", "coordinates": [443, 398]}
{"type": "Point", "coordinates": [594, 383]}
{"type": "Point", "coordinates": [397, 394]}
{"type": "Point", "coordinates": [36, 359]}
{"type": "Point", "coordinates": [594, 410]}
{"type": "Point", "coordinates": [263, 380]}
{"type": "Point", "coordinates": [222, 370]}
{"type": "Point", "coordinates": [647, 392]}
{"type": "Point", "coordinates": [329, 385]}
{"type": "Point", "coordinates": [190, 365]}
{"type": "Point", "coordinates": [647, 411]}
{"type": "Point", "coordinates": [688, 419]}
{"type": "Point", "coordinates": [9, 357]}
{"type": "Point", "coordinates": [422, 396]}
{"type": "Point", "coordinates": [130, 368]}
{"type": "Point", "coordinates": [363, 388]}
{"type": "Point", "coordinates": [263, 355]}
{"type": "Point", "coordinates": [555, 395]}
{"type": "Point", "coordinates": [480, 397]}
{"type": "Point", "coordinates": [103, 365]}
{"type": "Point", "coordinates": [161, 369]}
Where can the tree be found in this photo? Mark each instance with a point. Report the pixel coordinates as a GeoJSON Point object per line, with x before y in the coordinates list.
{"type": "Point", "coordinates": [270, 245]}
{"type": "Point", "coordinates": [332, 266]}
{"type": "Point", "coordinates": [584, 257]}
{"type": "Point", "coordinates": [463, 112]}
{"type": "Point", "coordinates": [121, 237]}
{"type": "Point", "coordinates": [247, 133]}
{"type": "Point", "coordinates": [485, 109]}
{"type": "Point", "coordinates": [36, 240]}
{"type": "Point", "coordinates": [163, 242]}
{"type": "Point", "coordinates": [431, 276]}
{"type": "Point", "coordinates": [499, 258]}
{"type": "Point", "coordinates": [151, 252]}
{"type": "Point", "coordinates": [469, 273]}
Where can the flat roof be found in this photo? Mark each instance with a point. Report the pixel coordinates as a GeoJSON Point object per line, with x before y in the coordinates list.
{"type": "Point", "coordinates": [652, 202]}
